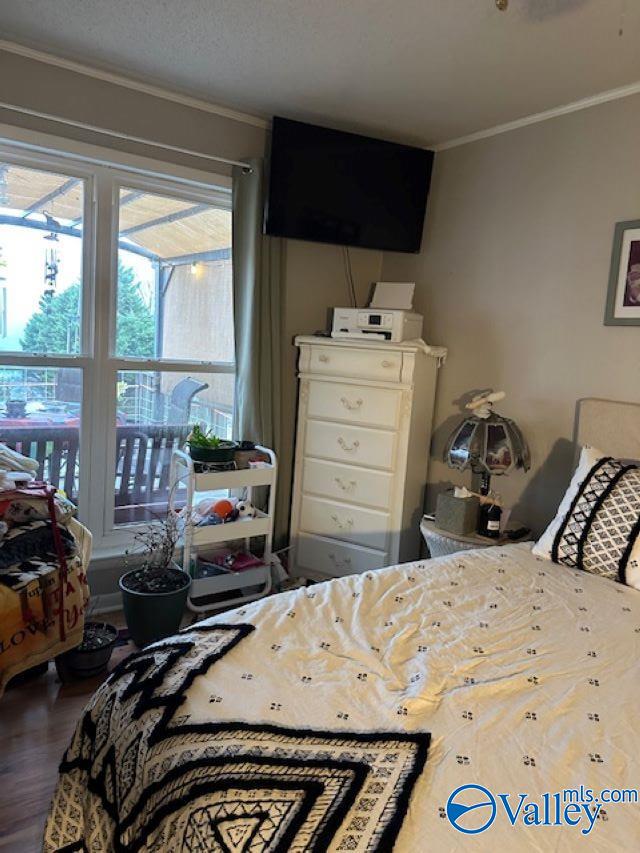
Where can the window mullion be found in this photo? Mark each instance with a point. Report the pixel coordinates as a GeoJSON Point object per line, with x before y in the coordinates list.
{"type": "Point", "coordinates": [87, 307]}
{"type": "Point", "coordinates": [101, 390]}
{"type": "Point", "coordinates": [173, 366]}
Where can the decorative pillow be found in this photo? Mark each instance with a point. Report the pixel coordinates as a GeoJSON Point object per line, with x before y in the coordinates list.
{"type": "Point", "coordinates": [597, 526]}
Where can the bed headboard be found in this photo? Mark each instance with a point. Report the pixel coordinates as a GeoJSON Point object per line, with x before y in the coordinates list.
{"type": "Point", "coordinates": [612, 427]}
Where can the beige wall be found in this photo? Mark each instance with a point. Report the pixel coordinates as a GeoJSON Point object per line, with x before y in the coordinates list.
{"type": "Point", "coordinates": [513, 278]}
{"type": "Point", "coordinates": [198, 311]}
{"type": "Point", "coordinates": [191, 300]}
{"type": "Point", "coordinates": [48, 89]}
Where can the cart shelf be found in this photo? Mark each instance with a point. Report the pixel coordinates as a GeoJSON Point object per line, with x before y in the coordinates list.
{"type": "Point", "coordinates": [226, 590]}
{"type": "Point", "coordinates": [211, 534]}
{"type": "Point", "coordinates": [231, 582]}
{"type": "Point", "coordinates": [237, 479]}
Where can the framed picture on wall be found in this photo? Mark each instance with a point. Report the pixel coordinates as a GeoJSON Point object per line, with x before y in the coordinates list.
{"type": "Point", "coordinates": [623, 296]}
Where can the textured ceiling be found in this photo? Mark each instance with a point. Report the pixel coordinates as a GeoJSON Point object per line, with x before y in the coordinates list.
{"type": "Point", "coordinates": [416, 70]}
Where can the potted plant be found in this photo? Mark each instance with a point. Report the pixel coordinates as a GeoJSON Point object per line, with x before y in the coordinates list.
{"type": "Point", "coordinates": [155, 592]}
{"type": "Point", "coordinates": [204, 446]}
{"type": "Point", "coordinates": [94, 652]}
{"type": "Point", "coordinates": [91, 656]}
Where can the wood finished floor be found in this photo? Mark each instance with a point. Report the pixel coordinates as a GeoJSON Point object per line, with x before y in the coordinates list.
{"type": "Point", "coordinates": [37, 719]}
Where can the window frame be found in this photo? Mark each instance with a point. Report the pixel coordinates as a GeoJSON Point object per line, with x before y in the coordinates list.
{"type": "Point", "coordinates": [105, 173]}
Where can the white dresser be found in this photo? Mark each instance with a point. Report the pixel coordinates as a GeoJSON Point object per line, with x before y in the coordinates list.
{"type": "Point", "coordinates": [362, 451]}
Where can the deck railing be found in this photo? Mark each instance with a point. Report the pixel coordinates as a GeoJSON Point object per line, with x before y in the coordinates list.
{"type": "Point", "coordinates": [55, 448]}
{"type": "Point", "coordinates": [143, 456]}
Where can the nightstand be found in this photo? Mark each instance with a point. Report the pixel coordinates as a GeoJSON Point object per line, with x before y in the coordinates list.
{"type": "Point", "coordinates": [441, 542]}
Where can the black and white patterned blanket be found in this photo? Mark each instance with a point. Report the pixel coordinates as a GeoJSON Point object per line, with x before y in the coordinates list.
{"type": "Point", "coordinates": [139, 776]}
{"type": "Point", "coordinates": [27, 552]}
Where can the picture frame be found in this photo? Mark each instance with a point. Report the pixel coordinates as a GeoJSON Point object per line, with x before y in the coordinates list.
{"type": "Point", "coordinates": [623, 294]}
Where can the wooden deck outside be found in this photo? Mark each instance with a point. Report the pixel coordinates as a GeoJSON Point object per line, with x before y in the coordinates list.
{"type": "Point", "coordinates": [143, 455]}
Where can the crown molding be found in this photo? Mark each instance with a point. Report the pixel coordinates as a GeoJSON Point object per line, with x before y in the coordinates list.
{"type": "Point", "coordinates": [256, 121]}
{"type": "Point", "coordinates": [535, 118]}
{"type": "Point", "coordinates": [130, 83]}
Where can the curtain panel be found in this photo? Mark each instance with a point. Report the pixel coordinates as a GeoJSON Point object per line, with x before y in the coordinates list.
{"type": "Point", "coordinates": [258, 311]}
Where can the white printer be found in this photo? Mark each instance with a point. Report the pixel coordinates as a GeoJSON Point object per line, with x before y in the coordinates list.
{"type": "Point", "coordinates": [387, 318]}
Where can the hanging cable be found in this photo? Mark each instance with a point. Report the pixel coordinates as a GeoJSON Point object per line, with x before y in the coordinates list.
{"type": "Point", "coordinates": [348, 272]}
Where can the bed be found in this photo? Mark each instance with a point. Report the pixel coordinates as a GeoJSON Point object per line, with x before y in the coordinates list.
{"type": "Point", "coordinates": [346, 716]}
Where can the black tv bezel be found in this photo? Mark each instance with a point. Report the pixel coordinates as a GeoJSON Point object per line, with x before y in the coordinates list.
{"type": "Point", "coordinates": [292, 234]}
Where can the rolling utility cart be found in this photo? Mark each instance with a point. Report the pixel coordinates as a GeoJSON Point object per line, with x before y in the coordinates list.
{"type": "Point", "coordinates": [227, 587]}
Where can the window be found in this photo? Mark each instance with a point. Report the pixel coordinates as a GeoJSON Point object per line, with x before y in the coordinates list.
{"type": "Point", "coordinates": [174, 304]}
{"type": "Point", "coordinates": [116, 328]}
{"type": "Point", "coordinates": [155, 409]}
{"type": "Point", "coordinates": [41, 248]}
{"type": "Point", "coordinates": [42, 253]}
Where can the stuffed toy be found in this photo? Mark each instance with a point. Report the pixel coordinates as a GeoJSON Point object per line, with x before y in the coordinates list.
{"type": "Point", "coordinates": [246, 510]}
{"type": "Point", "coordinates": [222, 508]}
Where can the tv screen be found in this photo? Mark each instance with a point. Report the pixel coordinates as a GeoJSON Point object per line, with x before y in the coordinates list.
{"type": "Point", "coordinates": [335, 187]}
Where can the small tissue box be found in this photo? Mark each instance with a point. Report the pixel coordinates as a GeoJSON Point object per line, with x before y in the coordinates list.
{"type": "Point", "coordinates": [457, 515]}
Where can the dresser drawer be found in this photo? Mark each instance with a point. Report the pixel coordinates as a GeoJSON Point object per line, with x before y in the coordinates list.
{"type": "Point", "coordinates": [363, 364]}
{"type": "Point", "coordinates": [358, 404]}
{"type": "Point", "coordinates": [347, 483]}
{"type": "Point", "coordinates": [366, 527]}
{"type": "Point", "coordinates": [355, 445]}
{"type": "Point", "coordinates": [336, 559]}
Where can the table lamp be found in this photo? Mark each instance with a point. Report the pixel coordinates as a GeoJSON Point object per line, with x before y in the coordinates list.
{"type": "Point", "coordinates": [487, 443]}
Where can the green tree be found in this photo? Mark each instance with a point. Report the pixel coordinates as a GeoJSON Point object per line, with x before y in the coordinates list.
{"type": "Point", "coordinates": [136, 327]}
{"type": "Point", "coordinates": [54, 327]}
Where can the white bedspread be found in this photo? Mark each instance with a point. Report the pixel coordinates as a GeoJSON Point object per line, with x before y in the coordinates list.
{"type": "Point", "coordinates": [525, 673]}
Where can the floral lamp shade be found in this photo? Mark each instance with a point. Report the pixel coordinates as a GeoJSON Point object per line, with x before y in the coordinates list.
{"type": "Point", "coordinates": [486, 442]}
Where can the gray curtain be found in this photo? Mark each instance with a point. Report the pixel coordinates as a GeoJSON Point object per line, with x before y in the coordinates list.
{"type": "Point", "coordinates": [258, 309]}
{"type": "Point", "coordinates": [257, 305]}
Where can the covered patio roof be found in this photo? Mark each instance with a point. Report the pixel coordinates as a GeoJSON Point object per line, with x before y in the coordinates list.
{"type": "Point", "coordinates": [169, 230]}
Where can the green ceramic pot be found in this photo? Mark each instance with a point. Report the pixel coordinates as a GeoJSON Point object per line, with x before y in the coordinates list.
{"type": "Point", "coordinates": [152, 616]}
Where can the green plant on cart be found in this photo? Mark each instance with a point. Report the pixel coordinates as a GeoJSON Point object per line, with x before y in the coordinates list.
{"type": "Point", "coordinates": [203, 438]}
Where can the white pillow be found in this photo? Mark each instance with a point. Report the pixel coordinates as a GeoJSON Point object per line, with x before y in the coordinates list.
{"type": "Point", "coordinates": [597, 526]}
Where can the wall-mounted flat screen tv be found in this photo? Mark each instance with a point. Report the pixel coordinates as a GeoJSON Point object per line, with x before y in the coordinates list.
{"type": "Point", "coordinates": [334, 187]}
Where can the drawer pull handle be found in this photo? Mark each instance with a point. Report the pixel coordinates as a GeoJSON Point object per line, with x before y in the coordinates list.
{"type": "Point", "coordinates": [348, 448]}
{"type": "Point", "coordinates": [340, 564]}
{"type": "Point", "coordinates": [348, 522]}
{"type": "Point", "coordinates": [346, 487]}
{"type": "Point", "coordinates": [323, 358]}
{"type": "Point", "coordinates": [349, 405]}
{"type": "Point", "coordinates": [387, 363]}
